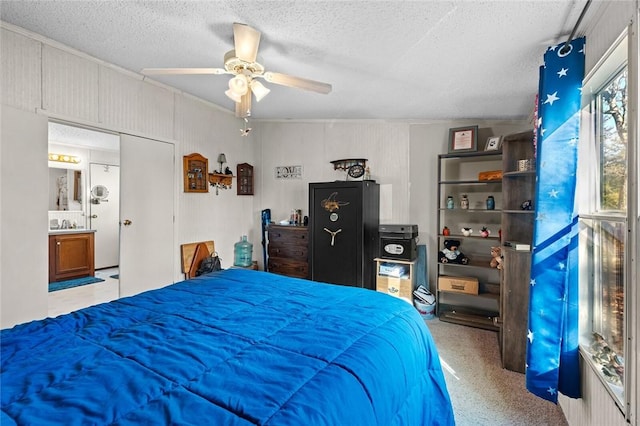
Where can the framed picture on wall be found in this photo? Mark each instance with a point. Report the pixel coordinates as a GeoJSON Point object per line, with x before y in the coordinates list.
{"type": "Point", "coordinates": [463, 139]}
{"type": "Point", "coordinates": [493, 143]}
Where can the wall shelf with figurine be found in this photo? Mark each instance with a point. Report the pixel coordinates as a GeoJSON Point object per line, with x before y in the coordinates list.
{"type": "Point", "coordinates": [195, 169]}
{"type": "Point", "coordinates": [356, 168]}
{"type": "Point", "coordinates": [221, 180]}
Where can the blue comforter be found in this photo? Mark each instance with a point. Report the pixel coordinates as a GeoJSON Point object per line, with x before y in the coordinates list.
{"type": "Point", "coordinates": [234, 347]}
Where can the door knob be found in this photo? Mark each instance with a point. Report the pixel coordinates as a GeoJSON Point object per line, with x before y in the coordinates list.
{"type": "Point", "coordinates": [126, 222]}
{"type": "Point", "coordinates": [94, 216]}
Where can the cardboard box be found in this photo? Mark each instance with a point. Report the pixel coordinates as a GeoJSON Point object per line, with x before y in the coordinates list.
{"type": "Point", "coordinates": [490, 175]}
{"type": "Point", "coordinates": [468, 285]}
{"type": "Point", "coordinates": [396, 287]}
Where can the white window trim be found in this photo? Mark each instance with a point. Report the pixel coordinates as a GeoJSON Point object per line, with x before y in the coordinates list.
{"type": "Point", "coordinates": [625, 49]}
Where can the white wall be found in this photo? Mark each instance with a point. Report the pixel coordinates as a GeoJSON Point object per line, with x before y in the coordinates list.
{"type": "Point", "coordinates": [314, 144]}
{"type": "Point", "coordinates": [46, 79]}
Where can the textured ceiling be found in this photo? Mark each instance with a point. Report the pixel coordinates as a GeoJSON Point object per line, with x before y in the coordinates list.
{"type": "Point", "coordinates": [385, 59]}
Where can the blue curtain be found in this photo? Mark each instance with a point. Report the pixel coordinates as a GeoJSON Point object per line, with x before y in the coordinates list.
{"type": "Point", "coordinates": [552, 338]}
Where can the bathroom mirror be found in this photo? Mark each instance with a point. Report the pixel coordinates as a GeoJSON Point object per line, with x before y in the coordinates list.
{"type": "Point", "coordinates": [99, 193]}
{"type": "Point", "coordinates": [65, 189]}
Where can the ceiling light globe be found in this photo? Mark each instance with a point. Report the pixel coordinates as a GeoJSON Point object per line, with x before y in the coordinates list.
{"type": "Point", "coordinates": [233, 96]}
{"type": "Point", "coordinates": [239, 84]}
{"type": "Point", "coordinates": [259, 90]}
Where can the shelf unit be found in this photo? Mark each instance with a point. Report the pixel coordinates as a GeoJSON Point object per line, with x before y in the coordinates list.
{"type": "Point", "coordinates": [518, 186]}
{"type": "Point", "coordinates": [458, 174]}
{"type": "Point", "coordinates": [400, 286]}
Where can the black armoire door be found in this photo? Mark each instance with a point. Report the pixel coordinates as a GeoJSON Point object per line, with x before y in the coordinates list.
{"type": "Point", "coordinates": [343, 232]}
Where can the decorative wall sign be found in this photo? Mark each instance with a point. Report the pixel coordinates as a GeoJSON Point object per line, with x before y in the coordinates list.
{"type": "Point", "coordinates": [289, 172]}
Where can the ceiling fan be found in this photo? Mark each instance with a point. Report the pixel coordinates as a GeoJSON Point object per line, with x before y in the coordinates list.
{"type": "Point", "coordinates": [242, 64]}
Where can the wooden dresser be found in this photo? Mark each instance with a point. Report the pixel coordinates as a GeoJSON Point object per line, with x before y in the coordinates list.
{"type": "Point", "coordinates": [288, 250]}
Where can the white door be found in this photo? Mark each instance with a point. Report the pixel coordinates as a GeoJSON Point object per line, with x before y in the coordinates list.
{"type": "Point", "coordinates": [146, 214]}
{"type": "Point", "coordinates": [104, 213]}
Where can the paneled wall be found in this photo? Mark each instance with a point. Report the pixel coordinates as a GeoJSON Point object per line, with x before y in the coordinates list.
{"type": "Point", "coordinates": [313, 145]}
{"type": "Point", "coordinates": [43, 77]}
{"type": "Point", "coordinates": [80, 89]}
{"type": "Point", "coordinates": [606, 21]}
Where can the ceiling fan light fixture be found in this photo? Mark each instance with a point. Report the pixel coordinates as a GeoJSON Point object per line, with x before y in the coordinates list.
{"type": "Point", "coordinates": [259, 90]}
{"type": "Point", "coordinates": [239, 84]}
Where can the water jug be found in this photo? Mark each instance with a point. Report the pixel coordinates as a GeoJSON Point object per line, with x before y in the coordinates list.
{"type": "Point", "coordinates": [243, 251]}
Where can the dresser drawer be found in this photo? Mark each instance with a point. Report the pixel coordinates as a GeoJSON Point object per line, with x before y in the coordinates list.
{"type": "Point", "coordinates": [290, 235]}
{"type": "Point", "coordinates": [287, 250]}
{"type": "Point", "coordinates": [289, 267]}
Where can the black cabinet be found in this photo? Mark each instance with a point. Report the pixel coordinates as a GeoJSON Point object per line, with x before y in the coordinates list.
{"type": "Point", "coordinates": [343, 230]}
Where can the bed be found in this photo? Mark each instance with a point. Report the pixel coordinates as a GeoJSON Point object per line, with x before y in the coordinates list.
{"type": "Point", "coordinates": [234, 347]}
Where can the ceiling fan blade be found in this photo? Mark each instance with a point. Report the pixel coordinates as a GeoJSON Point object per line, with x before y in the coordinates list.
{"type": "Point", "coordinates": [246, 42]}
{"type": "Point", "coordinates": [297, 82]}
{"type": "Point", "coordinates": [163, 71]}
{"type": "Point", "coordinates": [243, 108]}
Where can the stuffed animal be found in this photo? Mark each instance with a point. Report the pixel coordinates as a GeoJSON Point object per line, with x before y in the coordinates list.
{"type": "Point", "coordinates": [451, 254]}
{"type": "Point", "coordinates": [496, 257]}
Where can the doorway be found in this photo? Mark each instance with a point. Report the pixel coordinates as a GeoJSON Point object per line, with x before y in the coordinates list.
{"type": "Point", "coordinates": [95, 160]}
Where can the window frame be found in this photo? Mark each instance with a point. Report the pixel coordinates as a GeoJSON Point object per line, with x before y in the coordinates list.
{"type": "Point", "coordinates": [589, 209]}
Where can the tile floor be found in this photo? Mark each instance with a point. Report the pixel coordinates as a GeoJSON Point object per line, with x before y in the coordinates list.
{"type": "Point", "coordinates": [72, 299]}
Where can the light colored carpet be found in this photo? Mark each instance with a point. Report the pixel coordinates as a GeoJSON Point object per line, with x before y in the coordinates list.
{"type": "Point", "coordinates": [482, 392]}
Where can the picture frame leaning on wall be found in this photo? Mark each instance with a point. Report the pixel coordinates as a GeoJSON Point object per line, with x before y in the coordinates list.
{"type": "Point", "coordinates": [493, 143]}
{"type": "Point", "coordinates": [463, 139]}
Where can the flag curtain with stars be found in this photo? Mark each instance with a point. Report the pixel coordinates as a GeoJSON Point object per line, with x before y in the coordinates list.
{"type": "Point", "coordinates": [552, 338]}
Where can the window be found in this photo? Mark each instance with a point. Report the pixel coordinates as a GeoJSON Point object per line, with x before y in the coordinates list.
{"type": "Point", "coordinates": [612, 118]}
{"type": "Point", "coordinates": [604, 225]}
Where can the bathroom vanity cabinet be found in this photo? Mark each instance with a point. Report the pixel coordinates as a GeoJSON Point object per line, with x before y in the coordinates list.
{"type": "Point", "coordinates": [71, 254]}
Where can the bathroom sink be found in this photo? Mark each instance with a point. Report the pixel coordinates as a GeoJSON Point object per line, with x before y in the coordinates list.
{"type": "Point", "coordinates": [70, 231]}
